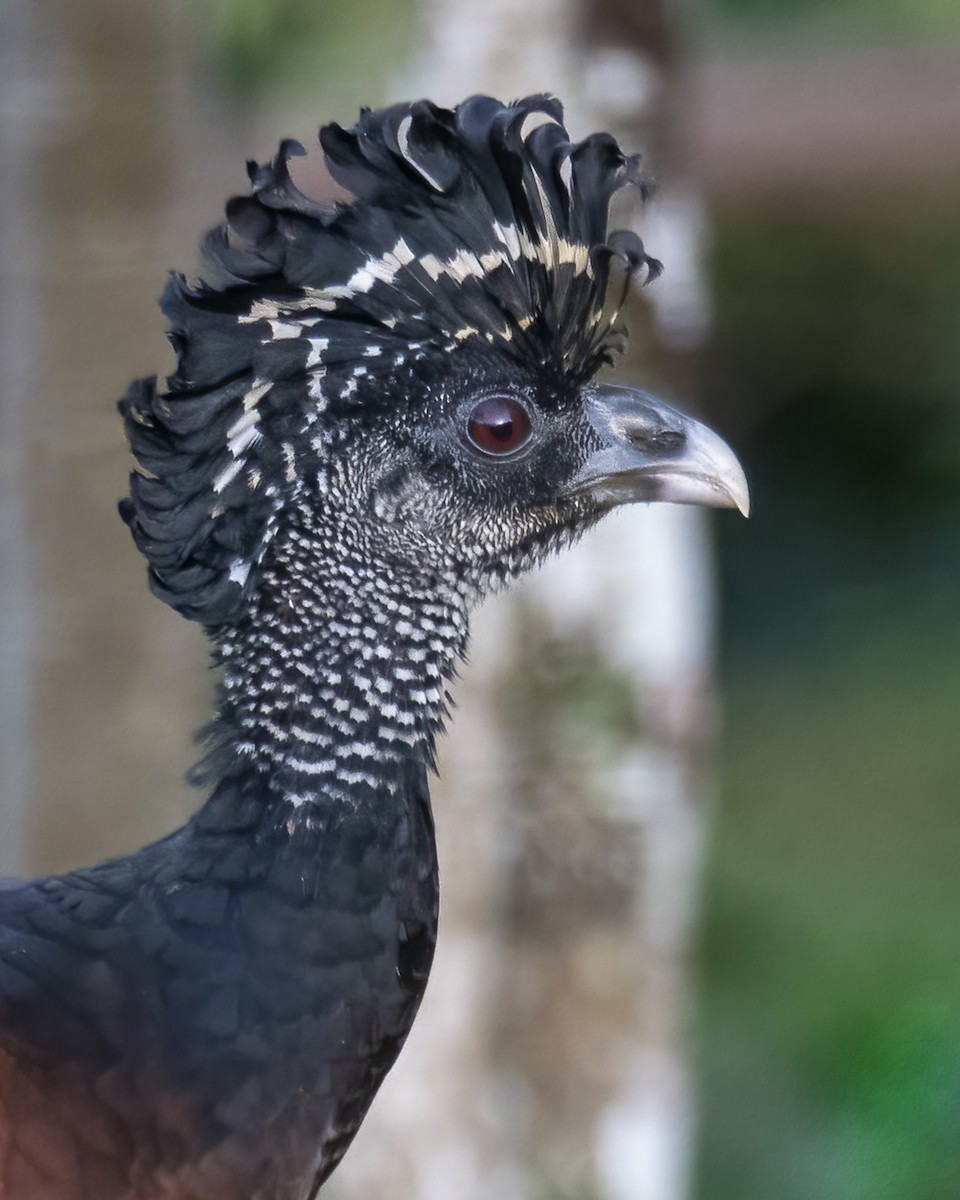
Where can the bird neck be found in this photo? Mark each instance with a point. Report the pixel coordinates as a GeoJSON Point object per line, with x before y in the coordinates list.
{"type": "Point", "coordinates": [335, 680]}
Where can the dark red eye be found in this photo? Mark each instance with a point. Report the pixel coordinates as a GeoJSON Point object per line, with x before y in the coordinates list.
{"type": "Point", "coordinates": [499, 425]}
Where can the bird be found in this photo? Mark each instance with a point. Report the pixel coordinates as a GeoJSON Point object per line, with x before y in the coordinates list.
{"type": "Point", "coordinates": [384, 407]}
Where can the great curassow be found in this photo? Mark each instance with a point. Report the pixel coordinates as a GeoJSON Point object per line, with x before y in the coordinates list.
{"type": "Point", "coordinates": [382, 407]}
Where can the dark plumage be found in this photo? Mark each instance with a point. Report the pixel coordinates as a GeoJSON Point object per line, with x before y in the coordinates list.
{"type": "Point", "coordinates": [382, 407]}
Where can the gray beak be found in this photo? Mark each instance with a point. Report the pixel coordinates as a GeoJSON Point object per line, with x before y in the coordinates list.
{"type": "Point", "coordinates": [653, 452]}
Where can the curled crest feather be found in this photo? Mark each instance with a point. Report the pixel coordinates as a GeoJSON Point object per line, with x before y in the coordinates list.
{"type": "Point", "coordinates": [481, 225]}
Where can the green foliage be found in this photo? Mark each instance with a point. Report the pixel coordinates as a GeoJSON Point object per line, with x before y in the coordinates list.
{"type": "Point", "coordinates": [831, 1003]}
{"type": "Point", "coordinates": [837, 364]}
{"type": "Point", "coordinates": [830, 1032]}
{"type": "Point", "coordinates": [285, 48]}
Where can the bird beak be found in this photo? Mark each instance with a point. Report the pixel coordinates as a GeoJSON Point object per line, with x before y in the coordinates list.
{"type": "Point", "coordinates": [653, 452]}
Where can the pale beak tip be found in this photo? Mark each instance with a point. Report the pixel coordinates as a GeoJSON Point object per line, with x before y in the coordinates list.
{"type": "Point", "coordinates": [739, 491]}
{"type": "Point", "coordinates": [717, 464]}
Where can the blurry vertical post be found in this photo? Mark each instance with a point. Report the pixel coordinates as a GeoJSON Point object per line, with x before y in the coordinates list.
{"type": "Point", "coordinates": [25, 77]}
{"type": "Point", "coordinates": [551, 1058]}
{"type": "Point", "coordinates": [101, 138]}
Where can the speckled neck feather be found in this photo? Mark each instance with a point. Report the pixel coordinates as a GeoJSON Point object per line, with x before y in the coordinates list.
{"type": "Point", "coordinates": [336, 675]}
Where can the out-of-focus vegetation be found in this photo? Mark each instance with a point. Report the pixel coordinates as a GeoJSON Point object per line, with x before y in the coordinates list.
{"type": "Point", "coordinates": [836, 351]}
{"type": "Point", "coordinates": [860, 17]}
{"type": "Point", "coordinates": [830, 1002]}
{"type": "Point", "coordinates": [829, 1033]}
{"type": "Point", "coordinates": [296, 48]}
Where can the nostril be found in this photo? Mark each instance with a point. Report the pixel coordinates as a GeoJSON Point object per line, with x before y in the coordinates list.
{"type": "Point", "coordinates": [663, 441]}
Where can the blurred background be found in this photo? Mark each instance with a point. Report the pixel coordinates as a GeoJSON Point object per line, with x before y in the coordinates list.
{"type": "Point", "coordinates": [699, 814]}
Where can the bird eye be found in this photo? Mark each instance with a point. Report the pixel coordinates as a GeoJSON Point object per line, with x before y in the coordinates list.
{"type": "Point", "coordinates": [499, 425]}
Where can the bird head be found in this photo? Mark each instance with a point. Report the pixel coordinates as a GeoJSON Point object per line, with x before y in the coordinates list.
{"type": "Point", "coordinates": [404, 372]}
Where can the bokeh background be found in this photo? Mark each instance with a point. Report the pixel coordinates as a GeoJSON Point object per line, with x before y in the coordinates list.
{"type": "Point", "coordinates": [817, 979]}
